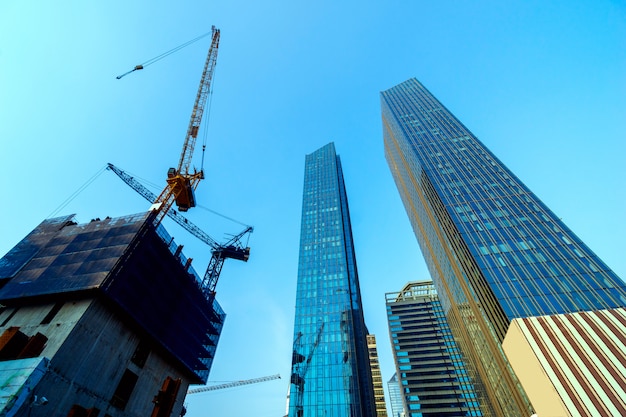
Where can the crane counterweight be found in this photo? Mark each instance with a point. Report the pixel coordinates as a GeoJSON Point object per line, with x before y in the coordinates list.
{"type": "Point", "coordinates": [182, 188]}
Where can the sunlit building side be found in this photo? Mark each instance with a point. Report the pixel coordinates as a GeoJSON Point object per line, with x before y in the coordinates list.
{"type": "Point", "coordinates": [571, 364]}
{"type": "Point", "coordinates": [377, 379]}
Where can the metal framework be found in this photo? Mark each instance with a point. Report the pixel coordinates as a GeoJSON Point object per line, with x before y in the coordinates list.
{"type": "Point", "coordinates": [181, 184]}
{"type": "Point", "coordinates": [233, 384]}
{"type": "Point", "coordinates": [233, 249]}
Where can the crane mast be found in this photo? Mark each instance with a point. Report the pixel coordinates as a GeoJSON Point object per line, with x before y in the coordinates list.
{"type": "Point", "coordinates": [300, 368]}
{"type": "Point", "coordinates": [198, 108]}
{"type": "Point", "coordinates": [181, 183]}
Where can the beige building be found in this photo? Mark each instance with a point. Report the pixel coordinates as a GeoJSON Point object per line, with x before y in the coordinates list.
{"type": "Point", "coordinates": [571, 364]}
{"type": "Point", "coordinates": [377, 379]}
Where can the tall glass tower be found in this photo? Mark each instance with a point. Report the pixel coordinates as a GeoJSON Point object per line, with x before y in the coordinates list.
{"type": "Point", "coordinates": [494, 250]}
{"type": "Point", "coordinates": [395, 397]}
{"type": "Point", "coordinates": [330, 373]}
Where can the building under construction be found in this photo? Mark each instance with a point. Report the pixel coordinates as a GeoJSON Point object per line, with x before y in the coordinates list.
{"type": "Point", "coordinates": [108, 318]}
{"type": "Point", "coordinates": [102, 319]}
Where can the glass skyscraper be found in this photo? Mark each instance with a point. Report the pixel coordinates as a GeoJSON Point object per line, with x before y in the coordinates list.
{"type": "Point", "coordinates": [494, 250]}
{"type": "Point", "coordinates": [330, 373]}
{"type": "Point", "coordinates": [395, 397]}
{"type": "Point", "coordinates": [430, 366]}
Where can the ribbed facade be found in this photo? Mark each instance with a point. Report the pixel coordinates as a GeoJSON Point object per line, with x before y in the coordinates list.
{"type": "Point", "coordinates": [572, 364]}
{"type": "Point", "coordinates": [377, 379]}
{"type": "Point", "coordinates": [431, 371]}
{"type": "Point", "coordinates": [330, 374]}
{"type": "Point", "coordinates": [494, 251]}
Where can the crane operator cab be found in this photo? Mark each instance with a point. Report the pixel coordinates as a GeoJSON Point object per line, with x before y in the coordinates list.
{"type": "Point", "coordinates": [182, 189]}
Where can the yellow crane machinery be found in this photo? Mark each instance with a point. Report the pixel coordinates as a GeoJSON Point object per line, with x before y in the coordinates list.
{"type": "Point", "coordinates": [233, 249]}
{"type": "Point", "coordinates": [181, 183]}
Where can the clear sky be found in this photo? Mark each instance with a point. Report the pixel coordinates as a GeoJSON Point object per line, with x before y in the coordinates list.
{"type": "Point", "coordinates": [541, 83]}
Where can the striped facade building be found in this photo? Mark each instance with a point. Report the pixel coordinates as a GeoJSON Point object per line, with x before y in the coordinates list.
{"type": "Point", "coordinates": [571, 364]}
{"type": "Point", "coordinates": [433, 378]}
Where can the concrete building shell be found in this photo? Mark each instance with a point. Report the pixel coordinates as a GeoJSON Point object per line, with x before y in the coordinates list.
{"type": "Point", "coordinates": [115, 314]}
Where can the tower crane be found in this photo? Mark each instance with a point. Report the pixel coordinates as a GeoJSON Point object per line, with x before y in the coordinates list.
{"type": "Point", "coordinates": [233, 249]}
{"type": "Point", "coordinates": [181, 183]}
{"type": "Point", "coordinates": [233, 384]}
{"type": "Point", "coordinates": [301, 367]}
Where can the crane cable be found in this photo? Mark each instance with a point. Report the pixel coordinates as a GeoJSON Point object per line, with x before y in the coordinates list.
{"type": "Point", "coordinates": [151, 185]}
{"type": "Point", "coordinates": [77, 192]}
{"type": "Point", "coordinates": [163, 55]}
{"type": "Point", "coordinates": [222, 215]}
{"type": "Point", "coordinates": [206, 126]}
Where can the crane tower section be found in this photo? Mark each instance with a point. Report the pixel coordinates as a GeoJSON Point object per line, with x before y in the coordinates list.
{"type": "Point", "coordinates": [181, 183]}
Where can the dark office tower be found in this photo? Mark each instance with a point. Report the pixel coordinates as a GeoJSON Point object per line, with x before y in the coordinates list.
{"type": "Point", "coordinates": [330, 374]}
{"type": "Point", "coordinates": [431, 371]}
{"type": "Point", "coordinates": [494, 250]}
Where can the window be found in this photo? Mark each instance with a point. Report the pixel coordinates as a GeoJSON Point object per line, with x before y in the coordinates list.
{"type": "Point", "coordinates": [141, 354]}
{"type": "Point", "coordinates": [12, 342]}
{"type": "Point", "coordinates": [9, 317]}
{"type": "Point", "coordinates": [52, 313]}
{"type": "Point", "coordinates": [124, 390]}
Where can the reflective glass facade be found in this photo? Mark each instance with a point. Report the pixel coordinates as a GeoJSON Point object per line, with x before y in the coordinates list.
{"type": "Point", "coordinates": [330, 366]}
{"type": "Point", "coordinates": [433, 377]}
{"type": "Point", "coordinates": [494, 250]}
{"type": "Point", "coordinates": [395, 397]}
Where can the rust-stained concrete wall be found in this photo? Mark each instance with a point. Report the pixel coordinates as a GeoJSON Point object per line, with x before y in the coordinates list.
{"type": "Point", "coordinates": [90, 348]}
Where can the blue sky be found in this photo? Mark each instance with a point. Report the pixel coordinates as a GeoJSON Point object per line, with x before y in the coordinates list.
{"type": "Point", "coordinates": [542, 84]}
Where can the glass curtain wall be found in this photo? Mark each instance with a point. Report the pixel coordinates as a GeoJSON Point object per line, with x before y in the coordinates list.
{"type": "Point", "coordinates": [495, 252]}
{"type": "Point", "coordinates": [331, 375]}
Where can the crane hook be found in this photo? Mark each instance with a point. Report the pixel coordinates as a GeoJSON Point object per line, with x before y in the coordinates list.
{"type": "Point", "coordinates": [137, 67]}
{"type": "Point", "coordinates": [165, 54]}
